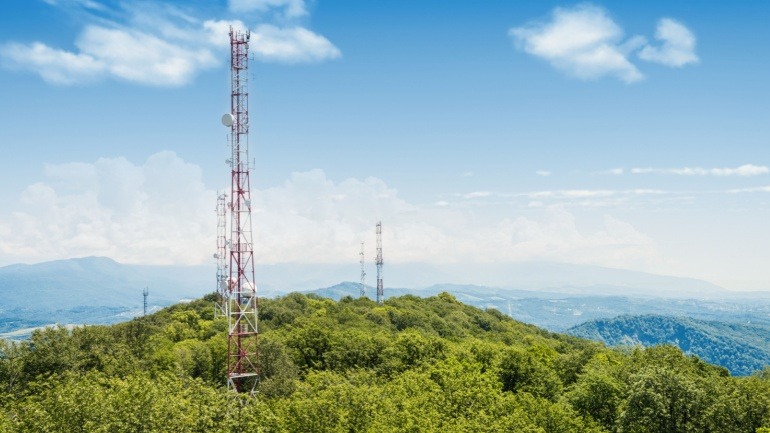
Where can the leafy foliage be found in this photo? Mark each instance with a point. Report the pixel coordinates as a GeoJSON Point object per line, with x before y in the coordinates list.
{"type": "Point", "coordinates": [411, 365]}
{"type": "Point", "coordinates": [741, 348]}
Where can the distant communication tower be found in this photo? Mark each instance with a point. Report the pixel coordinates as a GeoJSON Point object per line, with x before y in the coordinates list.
{"type": "Point", "coordinates": [380, 291]}
{"type": "Point", "coordinates": [221, 254]}
{"type": "Point", "coordinates": [242, 305]}
{"type": "Point", "coordinates": [145, 292]}
{"type": "Point", "coordinates": [363, 272]}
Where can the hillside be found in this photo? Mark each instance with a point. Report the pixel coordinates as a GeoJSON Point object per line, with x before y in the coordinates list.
{"type": "Point", "coordinates": [741, 348]}
{"type": "Point", "coordinates": [411, 365]}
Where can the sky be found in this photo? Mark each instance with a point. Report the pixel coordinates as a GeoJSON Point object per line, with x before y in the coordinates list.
{"type": "Point", "coordinates": [625, 134]}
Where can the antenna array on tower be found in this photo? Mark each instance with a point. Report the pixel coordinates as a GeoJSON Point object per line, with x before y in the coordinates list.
{"type": "Point", "coordinates": [145, 292]}
{"type": "Point", "coordinates": [221, 254]}
{"type": "Point", "coordinates": [380, 290]}
{"type": "Point", "coordinates": [363, 272]}
{"type": "Point", "coordinates": [242, 305]}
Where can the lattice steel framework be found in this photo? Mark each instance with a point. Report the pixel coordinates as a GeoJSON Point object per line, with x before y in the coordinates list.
{"type": "Point", "coordinates": [380, 290]}
{"type": "Point", "coordinates": [221, 254]}
{"type": "Point", "coordinates": [363, 272]}
{"type": "Point", "coordinates": [145, 292]}
{"type": "Point", "coordinates": [242, 305]}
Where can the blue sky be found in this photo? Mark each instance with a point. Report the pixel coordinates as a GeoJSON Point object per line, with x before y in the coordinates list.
{"type": "Point", "coordinates": [622, 134]}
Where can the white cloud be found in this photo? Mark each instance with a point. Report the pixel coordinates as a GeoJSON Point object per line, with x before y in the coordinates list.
{"type": "Point", "coordinates": [585, 42]}
{"type": "Point", "coordinates": [744, 170]}
{"type": "Point", "coordinates": [143, 58]}
{"type": "Point", "coordinates": [132, 56]}
{"type": "Point", "coordinates": [582, 41]}
{"type": "Point", "coordinates": [557, 237]}
{"type": "Point", "coordinates": [88, 4]}
{"type": "Point", "coordinates": [544, 173]}
{"type": "Point", "coordinates": [749, 190]}
{"type": "Point", "coordinates": [678, 47]}
{"type": "Point", "coordinates": [477, 194]}
{"type": "Point", "coordinates": [161, 45]}
{"type": "Point", "coordinates": [218, 31]}
{"type": "Point", "coordinates": [291, 45]}
{"type": "Point", "coordinates": [54, 66]}
{"type": "Point", "coordinates": [160, 212]}
{"type": "Point", "coordinates": [612, 172]}
{"type": "Point", "coordinates": [291, 8]}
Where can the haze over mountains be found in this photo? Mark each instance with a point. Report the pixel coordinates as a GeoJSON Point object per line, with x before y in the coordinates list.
{"type": "Point", "coordinates": [557, 297]}
{"type": "Point", "coordinates": [100, 281]}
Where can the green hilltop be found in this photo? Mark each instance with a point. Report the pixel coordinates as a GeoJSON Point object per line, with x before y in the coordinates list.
{"type": "Point", "coordinates": [411, 365]}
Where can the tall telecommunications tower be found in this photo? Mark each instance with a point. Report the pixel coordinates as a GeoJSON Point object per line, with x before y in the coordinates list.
{"type": "Point", "coordinates": [363, 272]}
{"type": "Point", "coordinates": [145, 292]}
{"type": "Point", "coordinates": [380, 291]}
{"type": "Point", "coordinates": [221, 254]}
{"type": "Point", "coordinates": [242, 305]}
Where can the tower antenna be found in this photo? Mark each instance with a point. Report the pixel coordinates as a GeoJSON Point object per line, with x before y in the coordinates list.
{"type": "Point", "coordinates": [363, 272]}
{"type": "Point", "coordinates": [242, 302]}
{"type": "Point", "coordinates": [380, 290]}
{"type": "Point", "coordinates": [221, 254]}
{"type": "Point", "coordinates": [145, 292]}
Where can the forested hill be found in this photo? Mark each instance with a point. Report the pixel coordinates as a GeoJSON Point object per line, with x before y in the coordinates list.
{"type": "Point", "coordinates": [411, 365]}
{"type": "Point", "coordinates": [743, 349]}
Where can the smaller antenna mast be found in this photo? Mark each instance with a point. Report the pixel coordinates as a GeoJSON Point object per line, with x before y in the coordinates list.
{"type": "Point", "coordinates": [363, 272]}
{"type": "Point", "coordinates": [380, 290]}
{"type": "Point", "coordinates": [221, 254]}
{"type": "Point", "coordinates": [145, 292]}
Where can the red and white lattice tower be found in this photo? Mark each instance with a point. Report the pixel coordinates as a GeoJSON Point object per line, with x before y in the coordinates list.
{"type": "Point", "coordinates": [242, 373]}
{"type": "Point", "coordinates": [221, 254]}
{"type": "Point", "coordinates": [363, 272]}
{"type": "Point", "coordinates": [379, 262]}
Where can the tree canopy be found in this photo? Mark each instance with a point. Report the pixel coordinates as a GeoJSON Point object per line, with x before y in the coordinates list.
{"type": "Point", "coordinates": [410, 365]}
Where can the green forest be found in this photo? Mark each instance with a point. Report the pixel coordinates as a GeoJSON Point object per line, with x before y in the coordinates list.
{"type": "Point", "coordinates": [410, 365]}
{"type": "Point", "coordinates": [741, 348]}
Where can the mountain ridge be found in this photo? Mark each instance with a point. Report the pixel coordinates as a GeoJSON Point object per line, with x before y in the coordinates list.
{"type": "Point", "coordinates": [741, 348]}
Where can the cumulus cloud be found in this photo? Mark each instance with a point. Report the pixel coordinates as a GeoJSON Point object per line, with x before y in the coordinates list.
{"type": "Point", "coordinates": [477, 194]}
{"type": "Point", "coordinates": [611, 172]}
{"type": "Point", "coordinates": [218, 31]}
{"type": "Point", "coordinates": [155, 211]}
{"type": "Point", "coordinates": [291, 45]}
{"type": "Point", "coordinates": [585, 42]}
{"type": "Point", "coordinates": [544, 173]}
{"type": "Point", "coordinates": [128, 55]}
{"type": "Point", "coordinates": [744, 170]}
{"type": "Point", "coordinates": [557, 236]}
{"type": "Point", "coordinates": [291, 8]}
{"type": "Point", "coordinates": [162, 46]}
{"type": "Point", "coordinates": [54, 66]}
{"type": "Point", "coordinates": [88, 4]}
{"type": "Point", "coordinates": [678, 45]}
{"type": "Point", "coordinates": [160, 212]}
{"type": "Point", "coordinates": [582, 41]}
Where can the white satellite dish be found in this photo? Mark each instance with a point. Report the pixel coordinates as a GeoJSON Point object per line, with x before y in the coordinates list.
{"type": "Point", "coordinates": [228, 119]}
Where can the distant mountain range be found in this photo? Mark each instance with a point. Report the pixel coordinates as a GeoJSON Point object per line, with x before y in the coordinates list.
{"type": "Point", "coordinates": [89, 290]}
{"type": "Point", "coordinates": [551, 295]}
{"type": "Point", "coordinates": [560, 311]}
{"type": "Point", "coordinates": [741, 348]}
{"type": "Point", "coordinates": [526, 276]}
